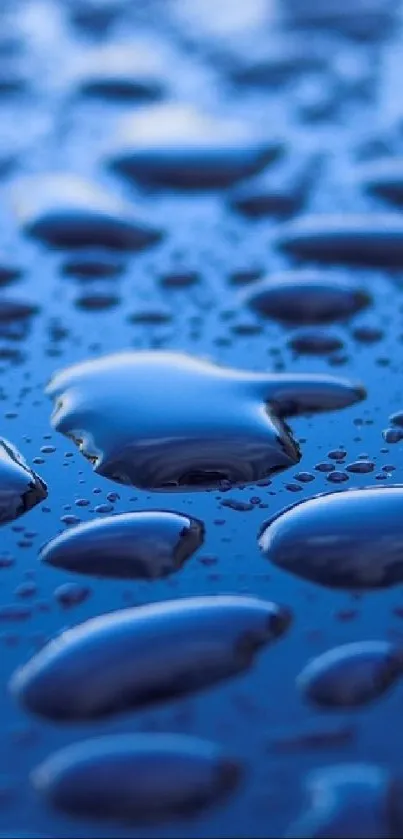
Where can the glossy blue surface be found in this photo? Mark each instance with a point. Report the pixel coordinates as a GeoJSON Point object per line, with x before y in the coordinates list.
{"type": "Point", "coordinates": [331, 92]}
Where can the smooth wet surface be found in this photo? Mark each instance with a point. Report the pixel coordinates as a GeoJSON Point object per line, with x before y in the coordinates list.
{"type": "Point", "coordinates": [319, 84]}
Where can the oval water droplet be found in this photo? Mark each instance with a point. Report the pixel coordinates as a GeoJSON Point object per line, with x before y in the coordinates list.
{"type": "Point", "coordinates": [92, 264]}
{"type": "Point", "coordinates": [129, 416]}
{"type": "Point", "coordinates": [137, 778]}
{"type": "Point", "coordinates": [357, 239]}
{"type": "Point", "coordinates": [307, 297]}
{"type": "Point", "coordinates": [351, 675]}
{"type": "Point", "coordinates": [348, 801]}
{"type": "Point", "coordinates": [176, 146]}
{"type": "Point", "coordinates": [351, 539]}
{"type": "Point", "coordinates": [128, 659]}
{"type": "Point", "coordinates": [20, 488]}
{"type": "Point", "coordinates": [66, 211]}
{"type": "Point", "coordinates": [311, 341]}
{"type": "Point", "coordinates": [144, 545]}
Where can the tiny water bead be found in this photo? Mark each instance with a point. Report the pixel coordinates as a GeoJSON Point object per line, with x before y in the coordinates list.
{"type": "Point", "coordinates": [229, 428]}
{"type": "Point", "coordinates": [138, 779]}
{"type": "Point", "coordinates": [351, 675]}
{"type": "Point", "coordinates": [20, 488]}
{"type": "Point", "coordinates": [347, 540]}
{"type": "Point", "coordinates": [143, 545]}
{"type": "Point", "coordinates": [136, 657]}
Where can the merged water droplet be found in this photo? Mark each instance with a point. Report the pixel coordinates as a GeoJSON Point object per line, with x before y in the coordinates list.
{"type": "Point", "coordinates": [140, 778]}
{"type": "Point", "coordinates": [350, 539]}
{"type": "Point", "coordinates": [351, 675]}
{"type": "Point", "coordinates": [66, 211]}
{"type": "Point", "coordinates": [176, 146]}
{"type": "Point", "coordinates": [144, 545]}
{"type": "Point", "coordinates": [350, 801]}
{"type": "Point", "coordinates": [20, 488]}
{"type": "Point", "coordinates": [303, 297]}
{"type": "Point", "coordinates": [128, 659]}
{"type": "Point", "coordinates": [166, 421]}
{"type": "Point", "coordinates": [373, 240]}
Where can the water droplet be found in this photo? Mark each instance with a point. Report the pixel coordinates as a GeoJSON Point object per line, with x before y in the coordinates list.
{"type": "Point", "coordinates": [309, 341]}
{"type": "Point", "coordinates": [71, 594]}
{"type": "Point", "coordinates": [351, 675]}
{"type": "Point", "coordinates": [349, 539]}
{"type": "Point", "coordinates": [121, 74]}
{"type": "Point", "coordinates": [144, 545]}
{"type": "Point", "coordinates": [384, 178]}
{"type": "Point", "coordinates": [357, 239]}
{"type": "Point", "coordinates": [93, 264]}
{"type": "Point", "coordinates": [361, 467]}
{"type": "Point", "coordinates": [307, 297]}
{"type": "Point", "coordinates": [97, 302]}
{"type": "Point", "coordinates": [137, 778]}
{"type": "Point", "coordinates": [66, 211]}
{"type": "Point", "coordinates": [176, 146]}
{"type": "Point", "coordinates": [279, 191]}
{"type": "Point", "coordinates": [223, 431]}
{"type": "Point", "coordinates": [350, 801]}
{"type": "Point", "coordinates": [138, 656]}
{"type": "Point", "coordinates": [21, 489]}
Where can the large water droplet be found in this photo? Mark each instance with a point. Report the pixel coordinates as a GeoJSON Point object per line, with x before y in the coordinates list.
{"type": "Point", "coordinates": [137, 778]}
{"type": "Point", "coordinates": [176, 146]}
{"type": "Point", "coordinates": [166, 421]}
{"type": "Point", "coordinates": [144, 545]}
{"type": "Point", "coordinates": [20, 487]}
{"type": "Point", "coordinates": [138, 656]}
{"type": "Point", "coordinates": [350, 539]}
{"type": "Point", "coordinates": [384, 178]}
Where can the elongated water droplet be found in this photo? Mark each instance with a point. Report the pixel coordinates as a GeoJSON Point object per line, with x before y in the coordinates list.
{"type": "Point", "coordinates": [144, 545]}
{"type": "Point", "coordinates": [131, 658]}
